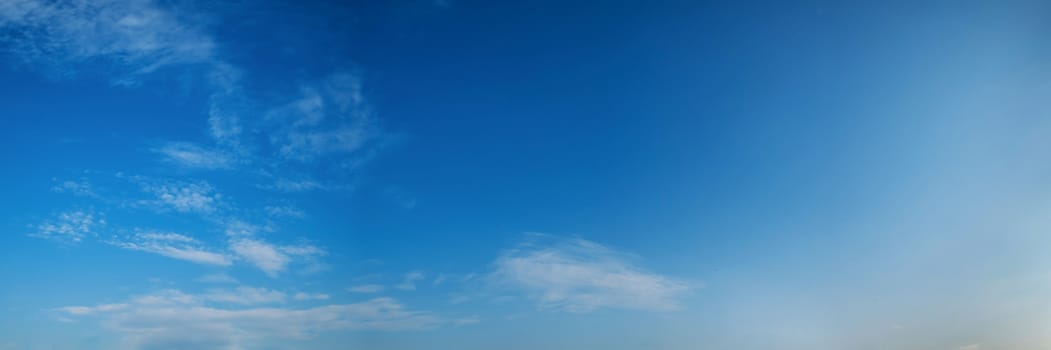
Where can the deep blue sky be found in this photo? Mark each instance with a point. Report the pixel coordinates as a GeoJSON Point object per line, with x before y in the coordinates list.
{"type": "Point", "coordinates": [524, 175]}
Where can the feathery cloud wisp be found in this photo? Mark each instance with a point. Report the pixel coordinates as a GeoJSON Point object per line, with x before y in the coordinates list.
{"type": "Point", "coordinates": [174, 246]}
{"type": "Point", "coordinates": [184, 197]}
{"type": "Point", "coordinates": [173, 319]}
{"type": "Point", "coordinates": [245, 296]}
{"type": "Point", "coordinates": [193, 156]}
{"type": "Point", "coordinates": [366, 288]}
{"type": "Point", "coordinates": [310, 296]}
{"type": "Point", "coordinates": [217, 278]}
{"type": "Point", "coordinates": [139, 35]}
{"type": "Point", "coordinates": [576, 275]}
{"type": "Point", "coordinates": [272, 259]}
{"type": "Point", "coordinates": [77, 188]}
{"type": "Point", "coordinates": [409, 282]}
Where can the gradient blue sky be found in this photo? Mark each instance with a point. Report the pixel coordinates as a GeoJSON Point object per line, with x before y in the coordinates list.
{"type": "Point", "coordinates": [525, 175]}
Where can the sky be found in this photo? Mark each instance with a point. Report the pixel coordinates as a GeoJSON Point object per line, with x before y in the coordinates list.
{"type": "Point", "coordinates": [417, 174]}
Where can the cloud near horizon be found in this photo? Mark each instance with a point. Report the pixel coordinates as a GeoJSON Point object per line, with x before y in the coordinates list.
{"type": "Point", "coordinates": [173, 319]}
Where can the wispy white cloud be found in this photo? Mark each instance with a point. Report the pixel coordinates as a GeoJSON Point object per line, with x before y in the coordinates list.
{"type": "Point", "coordinates": [138, 35]}
{"type": "Point", "coordinates": [217, 278]}
{"type": "Point", "coordinates": [331, 117]}
{"type": "Point", "coordinates": [466, 321]}
{"type": "Point", "coordinates": [75, 187]}
{"type": "Point", "coordinates": [579, 276]}
{"type": "Point", "coordinates": [366, 288]}
{"type": "Point", "coordinates": [272, 259]}
{"type": "Point", "coordinates": [443, 278]}
{"type": "Point", "coordinates": [302, 250]}
{"type": "Point", "coordinates": [172, 319]}
{"type": "Point", "coordinates": [174, 246]}
{"type": "Point", "coordinates": [310, 296]}
{"type": "Point", "coordinates": [265, 256]}
{"type": "Point", "coordinates": [240, 228]}
{"type": "Point", "coordinates": [134, 38]}
{"type": "Point", "coordinates": [285, 211]}
{"type": "Point", "coordinates": [409, 282]}
{"type": "Point", "coordinates": [226, 105]}
{"type": "Point", "coordinates": [193, 156]}
{"type": "Point", "coordinates": [294, 185]}
{"type": "Point", "coordinates": [87, 310]}
{"type": "Point", "coordinates": [330, 120]}
{"type": "Point", "coordinates": [245, 296]}
{"type": "Point", "coordinates": [72, 226]}
{"type": "Point", "coordinates": [185, 197]}
{"type": "Point", "coordinates": [440, 279]}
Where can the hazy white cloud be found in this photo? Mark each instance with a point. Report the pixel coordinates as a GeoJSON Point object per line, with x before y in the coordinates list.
{"type": "Point", "coordinates": [193, 156]}
{"type": "Point", "coordinates": [239, 228]}
{"type": "Point", "coordinates": [286, 211]}
{"type": "Point", "coordinates": [87, 310]}
{"type": "Point", "coordinates": [971, 347]}
{"type": "Point", "coordinates": [166, 237]}
{"type": "Point", "coordinates": [70, 226]}
{"type": "Point", "coordinates": [579, 276]}
{"type": "Point", "coordinates": [294, 185]}
{"type": "Point", "coordinates": [167, 297]}
{"type": "Point", "coordinates": [245, 296]}
{"type": "Point", "coordinates": [217, 278]}
{"type": "Point", "coordinates": [331, 117]}
{"type": "Point", "coordinates": [440, 279]}
{"type": "Point", "coordinates": [310, 296]}
{"type": "Point", "coordinates": [263, 255]}
{"type": "Point", "coordinates": [139, 35]}
{"type": "Point", "coordinates": [272, 259]}
{"type": "Point", "coordinates": [409, 282]}
{"type": "Point", "coordinates": [302, 250]}
{"type": "Point", "coordinates": [458, 299]}
{"type": "Point", "coordinates": [172, 319]}
{"type": "Point", "coordinates": [465, 321]}
{"type": "Point", "coordinates": [78, 188]}
{"type": "Point", "coordinates": [185, 197]}
{"type": "Point", "coordinates": [174, 246]}
{"type": "Point", "coordinates": [328, 116]}
{"type": "Point", "coordinates": [225, 106]}
{"type": "Point", "coordinates": [134, 38]}
{"type": "Point", "coordinates": [366, 288]}
{"type": "Point", "coordinates": [468, 277]}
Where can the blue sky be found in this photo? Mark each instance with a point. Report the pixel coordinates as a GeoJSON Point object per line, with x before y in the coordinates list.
{"type": "Point", "coordinates": [524, 175]}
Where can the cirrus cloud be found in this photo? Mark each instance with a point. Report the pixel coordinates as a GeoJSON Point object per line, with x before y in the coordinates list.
{"type": "Point", "coordinates": [577, 275]}
{"type": "Point", "coordinates": [71, 226]}
{"type": "Point", "coordinates": [172, 319]}
{"type": "Point", "coordinates": [174, 246]}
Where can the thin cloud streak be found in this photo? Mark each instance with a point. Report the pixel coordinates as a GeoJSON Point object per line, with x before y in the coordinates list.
{"type": "Point", "coordinates": [139, 35]}
{"type": "Point", "coordinates": [173, 319]}
{"type": "Point", "coordinates": [174, 246]}
{"type": "Point", "coordinates": [409, 282]}
{"type": "Point", "coordinates": [578, 276]}
{"type": "Point", "coordinates": [367, 288]}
